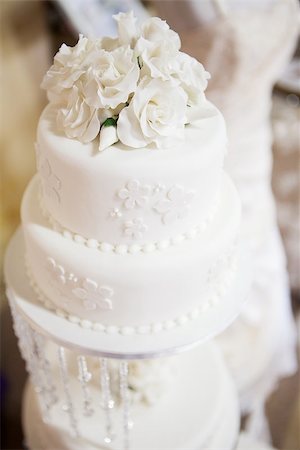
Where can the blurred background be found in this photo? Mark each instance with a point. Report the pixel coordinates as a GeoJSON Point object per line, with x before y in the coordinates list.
{"type": "Point", "coordinates": [32, 32]}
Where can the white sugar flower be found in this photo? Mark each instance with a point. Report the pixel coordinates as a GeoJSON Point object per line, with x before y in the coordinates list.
{"type": "Point", "coordinates": [111, 78]}
{"type": "Point", "coordinates": [156, 114]}
{"type": "Point", "coordinates": [93, 296]}
{"type": "Point", "coordinates": [193, 79]}
{"type": "Point", "coordinates": [135, 228]}
{"type": "Point", "coordinates": [127, 29]}
{"type": "Point", "coordinates": [108, 136]}
{"type": "Point", "coordinates": [175, 205]}
{"type": "Point", "coordinates": [156, 30]}
{"type": "Point", "coordinates": [157, 49]}
{"type": "Point", "coordinates": [69, 66]}
{"type": "Point", "coordinates": [157, 59]}
{"type": "Point", "coordinates": [77, 119]}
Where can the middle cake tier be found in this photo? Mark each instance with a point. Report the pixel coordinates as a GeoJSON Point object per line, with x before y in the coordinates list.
{"type": "Point", "coordinates": [140, 292]}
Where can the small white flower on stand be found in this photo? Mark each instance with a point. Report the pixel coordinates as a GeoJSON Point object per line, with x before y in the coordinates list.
{"type": "Point", "coordinates": [135, 228]}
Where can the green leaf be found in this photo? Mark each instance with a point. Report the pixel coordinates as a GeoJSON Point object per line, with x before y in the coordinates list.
{"type": "Point", "coordinates": [110, 122]}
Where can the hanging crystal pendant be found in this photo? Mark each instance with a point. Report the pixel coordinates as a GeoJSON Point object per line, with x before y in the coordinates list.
{"type": "Point", "coordinates": [84, 377]}
{"type": "Point", "coordinates": [45, 368]}
{"type": "Point", "coordinates": [29, 353]}
{"type": "Point", "coordinates": [68, 407]}
{"type": "Point", "coordinates": [124, 393]}
{"type": "Point", "coordinates": [107, 401]}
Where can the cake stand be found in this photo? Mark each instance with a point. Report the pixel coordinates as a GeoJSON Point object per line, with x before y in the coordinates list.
{"type": "Point", "coordinates": [35, 326]}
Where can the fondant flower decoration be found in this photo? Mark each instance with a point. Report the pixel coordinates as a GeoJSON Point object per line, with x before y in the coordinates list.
{"type": "Point", "coordinates": [140, 79]}
{"type": "Point", "coordinates": [175, 205]}
{"type": "Point", "coordinates": [134, 194]}
{"type": "Point", "coordinates": [62, 280]}
{"type": "Point", "coordinates": [51, 183]}
{"type": "Point", "coordinates": [155, 115]}
{"type": "Point", "coordinates": [135, 228]}
{"type": "Point", "coordinates": [93, 296]}
{"type": "Point", "coordinates": [57, 270]}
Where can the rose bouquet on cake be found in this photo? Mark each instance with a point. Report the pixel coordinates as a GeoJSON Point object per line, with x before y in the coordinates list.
{"type": "Point", "coordinates": [138, 88]}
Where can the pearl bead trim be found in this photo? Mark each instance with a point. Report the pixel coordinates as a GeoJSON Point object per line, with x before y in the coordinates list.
{"type": "Point", "coordinates": [123, 249]}
{"type": "Point", "coordinates": [213, 300]}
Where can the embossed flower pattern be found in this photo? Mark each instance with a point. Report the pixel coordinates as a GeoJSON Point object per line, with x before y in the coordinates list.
{"type": "Point", "coordinates": [51, 183]}
{"type": "Point", "coordinates": [134, 194]}
{"type": "Point", "coordinates": [135, 228]}
{"type": "Point", "coordinates": [175, 204]}
{"type": "Point", "coordinates": [94, 296]}
{"type": "Point", "coordinates": [88, 291]}
{"type": "Point", "coordinates": [62, 280]}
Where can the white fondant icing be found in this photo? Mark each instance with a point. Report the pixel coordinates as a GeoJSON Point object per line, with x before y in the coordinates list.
{"type": "Point", "coordinates": [148, 288]}
{"type": "Point", "coordinates": [175, 204]}
{"type": "Point", "coordinates": [133, 248]}
{"type": "Point", "coordinates": [93, 182]}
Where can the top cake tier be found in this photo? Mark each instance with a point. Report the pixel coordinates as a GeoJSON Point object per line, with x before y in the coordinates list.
{"type": "Point", "coordinates": [129, 150]}
{"type": "Point", "coordinates": [132, 197]}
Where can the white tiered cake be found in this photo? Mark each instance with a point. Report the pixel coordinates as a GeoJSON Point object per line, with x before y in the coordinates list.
{"type": "Point", "coordinates": [130, 227]}
{"type": "Point", "coordinates": [130, 239]}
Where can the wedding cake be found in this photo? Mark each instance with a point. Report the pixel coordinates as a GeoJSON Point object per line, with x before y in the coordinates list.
{"type": "Point", "coordinates": [139, 236]}
{"type": "Point", "coordinates": [130, 227]}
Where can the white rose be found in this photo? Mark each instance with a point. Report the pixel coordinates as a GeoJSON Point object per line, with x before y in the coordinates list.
{"type": "Point", "coordinates": [157, 49]}
{"type": "Point", "coordinates": [157, 30]}
{"type": "Point", "coordinates": [68, 67]}
{"type": "Point", "coordinates": [157, 59]}
{"type": "Point", "coordinates": [193, 80]}
{"type": "Point", "coordinates": [127, 29]}
{"type": "Point", "coordinates": [111, 78]}
{"type": "Point", "coordinates": [156, 114]}
{"type": "Point", "coordinates": [77, 119]}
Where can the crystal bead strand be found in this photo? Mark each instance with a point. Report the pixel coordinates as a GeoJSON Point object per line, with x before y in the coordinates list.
{"type": "Point", "coordinates": [124, 393]}
{"type": "Point", "coordinates": [107, 401]}
{"type": "Point", "coordinates": [45, 368]}
{"type": "Point", "coordinates": [28, 352]}
{"type": "Point", "coordinates": [69, 408]}
{"type": "Point", "coordinates": [84, 377]}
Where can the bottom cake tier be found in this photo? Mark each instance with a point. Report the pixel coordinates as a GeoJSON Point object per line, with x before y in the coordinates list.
{"type": "Point", "coordinates": [198, 410]}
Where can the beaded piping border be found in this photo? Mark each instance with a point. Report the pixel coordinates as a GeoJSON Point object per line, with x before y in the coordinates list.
{"type": "Point", "coordinates": [123, 249]}
{"type": "Point", "coordinates": [220, 290]}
